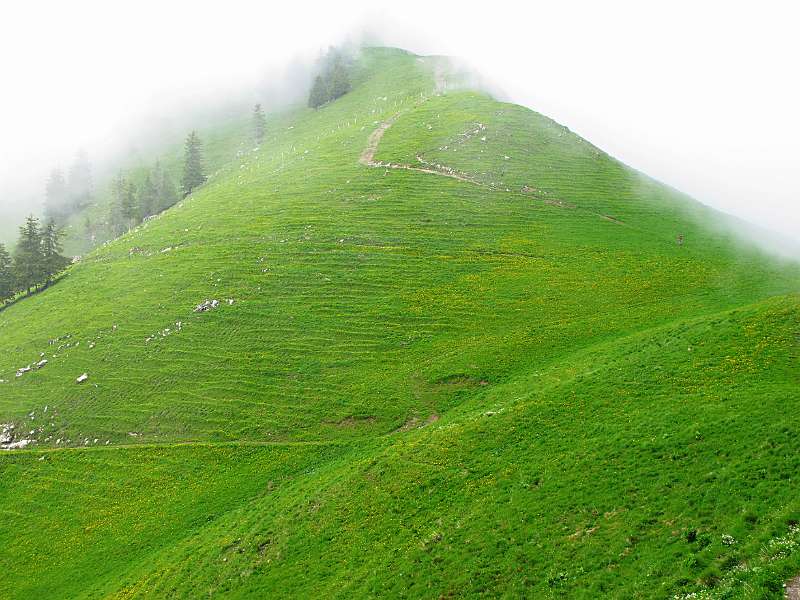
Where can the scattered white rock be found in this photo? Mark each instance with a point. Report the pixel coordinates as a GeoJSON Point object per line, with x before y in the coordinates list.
{"type": "Point", "coordinates": [17, 445]}
{"type": "Point", "coordinates": [82, 378]}
{"type": "Point", "coordinates": [206, 305]}
{"type": "Point", "coordinates": [6, 433]}
{"type": "Point", "coordinates": [41, 363]}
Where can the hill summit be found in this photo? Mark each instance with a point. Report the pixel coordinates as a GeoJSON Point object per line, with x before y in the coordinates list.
{"type": "Point", "coordinates": [416, 343]}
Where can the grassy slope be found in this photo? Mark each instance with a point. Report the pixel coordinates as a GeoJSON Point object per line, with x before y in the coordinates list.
{"type": "Point", "coordinates": [229, 137]}
{"type": "Point", "coordinates": [369, 298]}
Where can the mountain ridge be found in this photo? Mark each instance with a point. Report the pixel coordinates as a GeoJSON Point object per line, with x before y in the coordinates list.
{"type": "Point", "coordinates": [412, 385]}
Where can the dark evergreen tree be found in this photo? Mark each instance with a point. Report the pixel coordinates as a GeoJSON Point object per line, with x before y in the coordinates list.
{"type": "Point", "coordinates": [193, 174]}
{"type": "Point", "coordinates": [319, 93]}
{"type": "Point", "coordinates": [333, 80]}
{"type": "Point", "coordinates": [167, 193]}
{"type": "Point", "coordinates": [130, 206]}
{"type": "Point", "coordinates": [28, 259]}
{"type": "Point", "coordinates": [56, 196]}
{"type": "Point", "coordinates": [148, 197]}
{"type": "Point", "coordinates": [7, 280]}
{"type": "Point", "coordinates": [52, 260]}
{"type": "Point", "coordinates": [80, 182]}
{"type": "Point", "coordinates": [338, 79]}
{"type": "Point", "coordinates": [259, 124]}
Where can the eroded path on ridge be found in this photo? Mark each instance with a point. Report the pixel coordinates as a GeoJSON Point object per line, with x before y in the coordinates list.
{"type": "Point", "coordinates": [793, 589]}
{"type": "Point", "coordinates": [368, 157]}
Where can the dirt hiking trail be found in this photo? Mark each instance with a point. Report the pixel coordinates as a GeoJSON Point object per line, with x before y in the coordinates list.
{"type": "Point", "coordinates": [368, 157]}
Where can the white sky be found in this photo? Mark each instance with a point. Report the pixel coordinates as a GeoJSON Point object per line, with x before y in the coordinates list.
{"type": "Point", "coordinates": [702, 95]}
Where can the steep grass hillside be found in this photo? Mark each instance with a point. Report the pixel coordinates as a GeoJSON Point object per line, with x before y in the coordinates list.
{"type": "Point", "coordinates": [456, 351]}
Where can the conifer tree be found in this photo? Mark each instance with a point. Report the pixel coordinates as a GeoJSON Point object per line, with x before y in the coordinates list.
{"type": "Point", "coordinates": [52, 260]}
{"type": "Point", "coordinates": [130, 205]}
{"type": "Point", "coordinates": [148, 197]}
{"type": "Point", "coordinates": [259, 124]}
{"type": "Point", "coordinates": [28, 260]}
{"type": "Point", "coordinates": [7, 283]}
{"type": "Point", "coordinates": [319, 93]}
{"type": "Point", "coordinates": [333, 80]}
{"type": "Point", "coordinates": [193, 174]}
{"type": "Point", "coordinates": [339, 81]}
{"type": "Point", "coordinates": [167, 193]}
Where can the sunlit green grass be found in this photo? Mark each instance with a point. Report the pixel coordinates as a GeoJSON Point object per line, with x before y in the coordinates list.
{"type": "Point", "coordinates": [463, 389]}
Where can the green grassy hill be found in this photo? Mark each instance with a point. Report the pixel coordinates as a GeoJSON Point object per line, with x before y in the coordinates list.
{"type": "Point", "coordinates": [458, 351]}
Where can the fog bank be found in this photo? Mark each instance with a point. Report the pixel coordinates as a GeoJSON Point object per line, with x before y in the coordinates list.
{"type": "Point", "coordinates": [702, 97]}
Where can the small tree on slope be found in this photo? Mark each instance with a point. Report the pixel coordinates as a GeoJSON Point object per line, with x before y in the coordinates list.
{"type": "Point", "coordinates": [52, 260]}
{"type": "Point", "coordinates": [167, 194]}
{"type": "Point", "coordinates": [339, 81]}
{"type": "Point", "coordinates": [319, 93]}
{"type": "Point", "coordinates": [148, 197]}
{"type": "Point", "coordinates": [193, 174]}
{"type": "Point", "coordinates": [28, 258]}
{"type": "Point", "coordinates": [130, 205]}
{"type": "Point", "coordinates": [7, 283]}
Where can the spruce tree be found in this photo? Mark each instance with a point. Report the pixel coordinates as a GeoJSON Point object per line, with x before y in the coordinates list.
{"type": "Point", "coordinates": [7, 282]}
{"type": "Point", "coordinates": [28, 259]}
{"type": "Point", "coordinates": [259, 124]}
{"type": "Point", "coordinates": [130, 206]}
{"type": "Point", "coordinates": [148, 197]}
{"type": "Point", "coordinates": [338, 79]}
{"type": "Point", "coordinates": [193, 174]}
{"type": "Point", "coordinates": [318, 94]}
{"type": "Point", "coordinates": [167, 194]}
{"type": "Point", "coordinates": [52, 260]}
{"type": "Point", "coordinates": [333, 80]}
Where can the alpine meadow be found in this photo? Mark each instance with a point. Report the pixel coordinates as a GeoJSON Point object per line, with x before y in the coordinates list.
{"type": "Point", "coordinates": [402, 340]}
